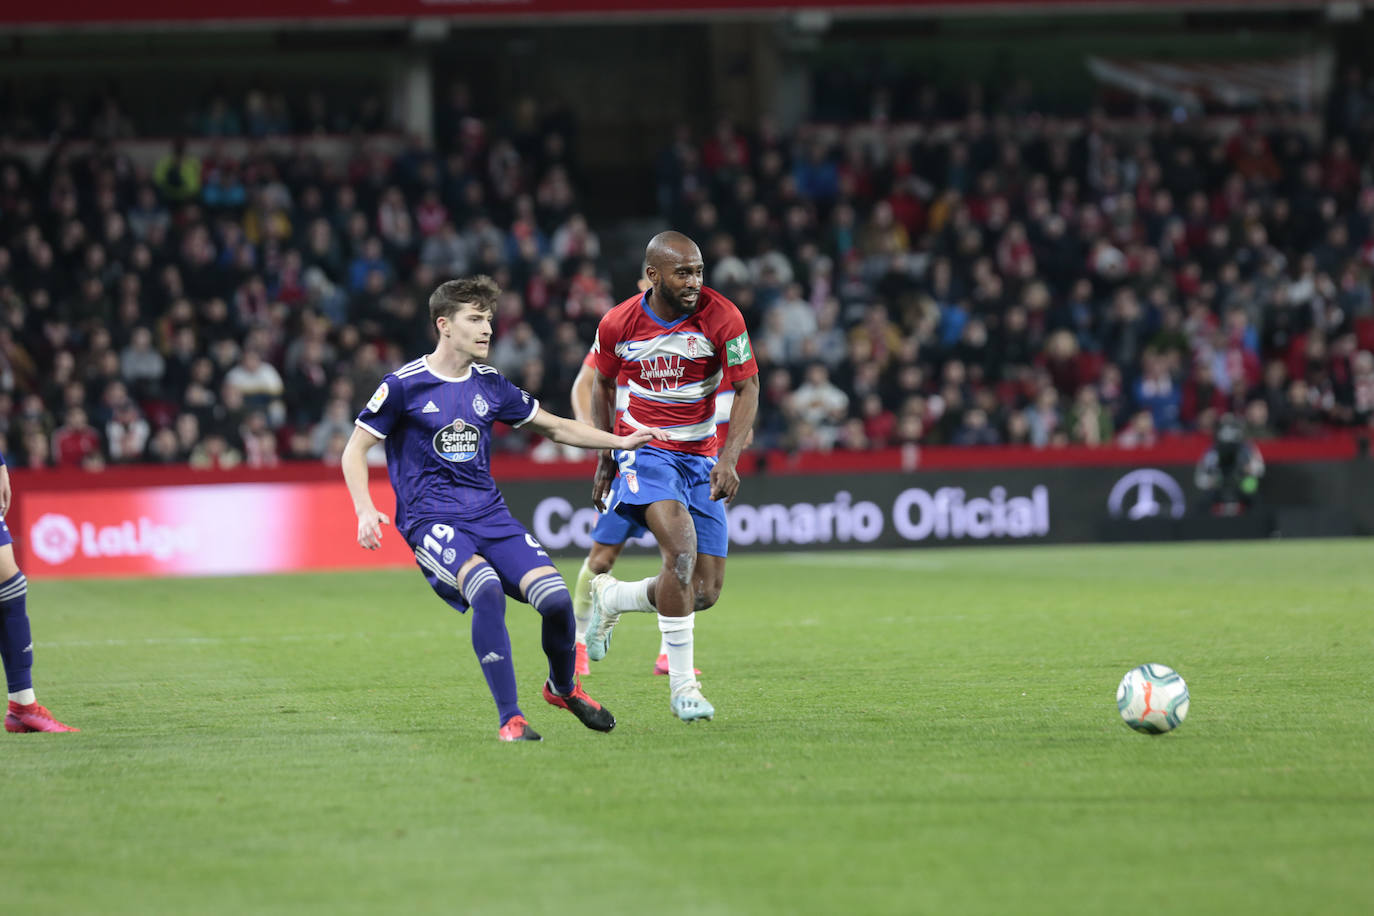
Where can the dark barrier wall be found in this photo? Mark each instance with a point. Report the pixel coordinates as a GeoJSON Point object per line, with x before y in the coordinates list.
{"type": "Point", "coordinates": [1014, 505]}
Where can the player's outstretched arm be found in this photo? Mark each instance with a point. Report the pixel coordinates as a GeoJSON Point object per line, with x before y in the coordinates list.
{"type": "Point", "coordinates": [370, 521]}
{"type": "Point", "coordinates": [580, 435]}
{"type": "Point", "coordinates": [602, 406]}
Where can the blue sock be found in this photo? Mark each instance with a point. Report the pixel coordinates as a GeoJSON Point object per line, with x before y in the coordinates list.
{"type": "Point", "coordinates": [491, 642]}
{"type": "Point", "coordinates": [16, 642]}
{"type": "Point", "coordinates": [552, 600]}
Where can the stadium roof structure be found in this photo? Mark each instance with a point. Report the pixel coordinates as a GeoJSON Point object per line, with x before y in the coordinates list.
{"type": "Point", "coordinates": [66, 14]}
{"type": "Point", "coordinates": [1300, 81]}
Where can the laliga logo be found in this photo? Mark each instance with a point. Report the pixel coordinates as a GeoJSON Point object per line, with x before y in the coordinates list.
{"type": "Point", "coordinates": [1143, 486]}
{"type": "Point", "coordinates": [54, 538]}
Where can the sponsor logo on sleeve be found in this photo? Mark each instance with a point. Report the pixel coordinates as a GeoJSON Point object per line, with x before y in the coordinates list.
{"type": "Point", "coordinates": [737, 350]}
{"type": "Point", "coordinates": [378, 398]}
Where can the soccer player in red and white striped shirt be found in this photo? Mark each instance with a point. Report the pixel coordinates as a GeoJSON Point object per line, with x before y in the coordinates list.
{"type": "Point", "coordinates": [612, 529]}
{"type": "Point", "coordinates": [672, 346]}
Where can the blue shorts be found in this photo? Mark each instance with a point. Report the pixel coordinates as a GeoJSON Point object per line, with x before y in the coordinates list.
{"type": "Point", "coordinates": [614, 528]}
{"type": "Point", "coordinates": [650, 475]}
{"type": "Point", "coordinates": [442, 547]}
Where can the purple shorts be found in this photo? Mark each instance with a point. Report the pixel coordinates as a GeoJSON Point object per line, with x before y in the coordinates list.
{"type": "Point", "coordinates": [442, 547]}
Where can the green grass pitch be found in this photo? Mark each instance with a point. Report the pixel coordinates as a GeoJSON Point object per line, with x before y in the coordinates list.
{"type": "Point", "coordinates": [910, 732]}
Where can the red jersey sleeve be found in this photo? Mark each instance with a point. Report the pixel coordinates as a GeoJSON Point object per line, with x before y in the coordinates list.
{"type": "Point", "coordinates": [590, 358]}
{"type": "Point", "coordinates": [731, 340]}
{"type": "Point", "coordinates": [603, 350]}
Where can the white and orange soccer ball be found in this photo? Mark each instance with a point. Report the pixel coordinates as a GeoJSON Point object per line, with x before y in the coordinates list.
{"type": "Point", "coordinates": [1152, 699]}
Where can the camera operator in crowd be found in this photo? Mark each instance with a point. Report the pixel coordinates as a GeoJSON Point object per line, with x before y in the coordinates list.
{"type": "Point", "coordinates": [1228, 475]}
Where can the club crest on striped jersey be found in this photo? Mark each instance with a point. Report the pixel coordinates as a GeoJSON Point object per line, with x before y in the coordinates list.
{"type": "Point", "coordinates": [661, 372]}
{"type": "Point", "coordinates": [479, 405]}
{"type": "Point", "coordinates": [458, 441]}
{"type": "Point", "coordinates": [692, 348]}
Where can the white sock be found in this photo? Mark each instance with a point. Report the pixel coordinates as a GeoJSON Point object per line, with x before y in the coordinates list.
{"type": "Point", "coordinates": [24, 697]}
{"type": "Point", "coordinates": [582, 600]}
{"type": "Point", "coordinates": [677, 638]}
{"type": "Point", "coordinates": [663, 645]}
{"type": "Point", "coordinates": [622, 597]}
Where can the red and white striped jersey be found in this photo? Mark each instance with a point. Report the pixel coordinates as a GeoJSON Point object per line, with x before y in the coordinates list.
{"type": "Point", "coordinates": [672, 369]}
{"type": "Point", "coordinates": [725, 397]}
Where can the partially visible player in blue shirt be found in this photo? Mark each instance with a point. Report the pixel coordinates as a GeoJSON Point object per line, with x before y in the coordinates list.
{"type": "Point", "coordinates": [16, 642]}
{"type": "Point", "coordinates": [435, 415]}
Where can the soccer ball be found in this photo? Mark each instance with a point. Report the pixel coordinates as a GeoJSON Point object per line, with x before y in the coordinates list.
{"type": "Point", "coordinates": [1152, 699]}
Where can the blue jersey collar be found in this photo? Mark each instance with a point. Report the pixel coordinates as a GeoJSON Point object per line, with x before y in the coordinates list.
{"type": "Point", "coordinates": [644, 304]}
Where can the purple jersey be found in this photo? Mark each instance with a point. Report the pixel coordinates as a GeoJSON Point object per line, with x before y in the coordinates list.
{"type": "Point", "coordinates": [438, 441]}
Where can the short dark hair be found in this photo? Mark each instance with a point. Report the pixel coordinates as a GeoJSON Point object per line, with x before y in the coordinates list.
{"type": "Point", "coordinates": [480, 292]}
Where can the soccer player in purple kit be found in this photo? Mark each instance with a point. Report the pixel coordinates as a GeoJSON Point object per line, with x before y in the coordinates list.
{"type": "Point", "coordinates": [16, 642]}
{"type": "Point", "coordinates": [435, 415]}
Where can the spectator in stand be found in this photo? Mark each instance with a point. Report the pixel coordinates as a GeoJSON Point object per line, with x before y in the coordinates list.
{"type": "Point", "coordinates": [215, 453]}
{"type": "Point", "coordinates": [514, 349]}
{"type": "Point", "coordinates": [975, 429]}
{"type": "Point", "coordinates": [445, 251]}
{"type": "Point", "coordinates": [337, 421]}
{"type": "Point", "coordinates": [177, 174]}
{"type": "Point", "coordinates": [163, 448]}
{"type": "Point", "coordinates": [187, 430]}
{"type": "Point", "coordinates": [259, 441]}
{"type": "Point", "coordinates": [1090, 423]}
{"type": "Point", "coordinates": [140, 365]}
{"type": "Point", "coordinates": [1157, 393]}
{"type": "Point", "coordinates": [260, 384]}
{"type": "Point", "coordinates": [1043, 417]}
{"type": "Point", "coordinates": [820, 405]}
{"type": "Point", "coordinates": [126, 433]}
{"type": "Point", "coordinates": [76, 444]}
{"type": "Point", "coordinates": [1139, 432]}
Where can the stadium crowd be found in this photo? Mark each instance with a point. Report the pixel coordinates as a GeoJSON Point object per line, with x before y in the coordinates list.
{"type": "Point", "coordinates": [1001, 277]}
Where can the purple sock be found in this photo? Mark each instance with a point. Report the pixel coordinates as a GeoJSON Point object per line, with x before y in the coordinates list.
{"type": "Point", "coordinates": [16, 642]}
{"type": "Point", "coordinates": [490, 641]}
{"type": "Point", "coordinates": [551, 599]}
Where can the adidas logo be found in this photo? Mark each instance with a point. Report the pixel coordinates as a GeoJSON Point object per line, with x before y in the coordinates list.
{"type": "Point", "coordinates": [430, 408]}
{"type": "Point", "coordinates": [491, 658]}
{"type": "Point", "coordinates": [29, 647]}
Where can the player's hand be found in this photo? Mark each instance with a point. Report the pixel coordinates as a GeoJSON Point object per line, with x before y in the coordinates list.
{"type": "Point", "coordinates": [640, 436]}
{"type": "Point", "coordinates": [370, 524]}
{"type": "Point", "coordinates": [5, 493]}
{"type": "Point", "coordinates": [601, 484]}
{"type": "Point", "coordinates": [724, 481]}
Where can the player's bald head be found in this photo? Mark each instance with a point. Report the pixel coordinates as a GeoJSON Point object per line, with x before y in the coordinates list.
{"type": "Point", "coordinates": [670, 248]}
{"type": "Point", "coordinates": [673, 267]}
